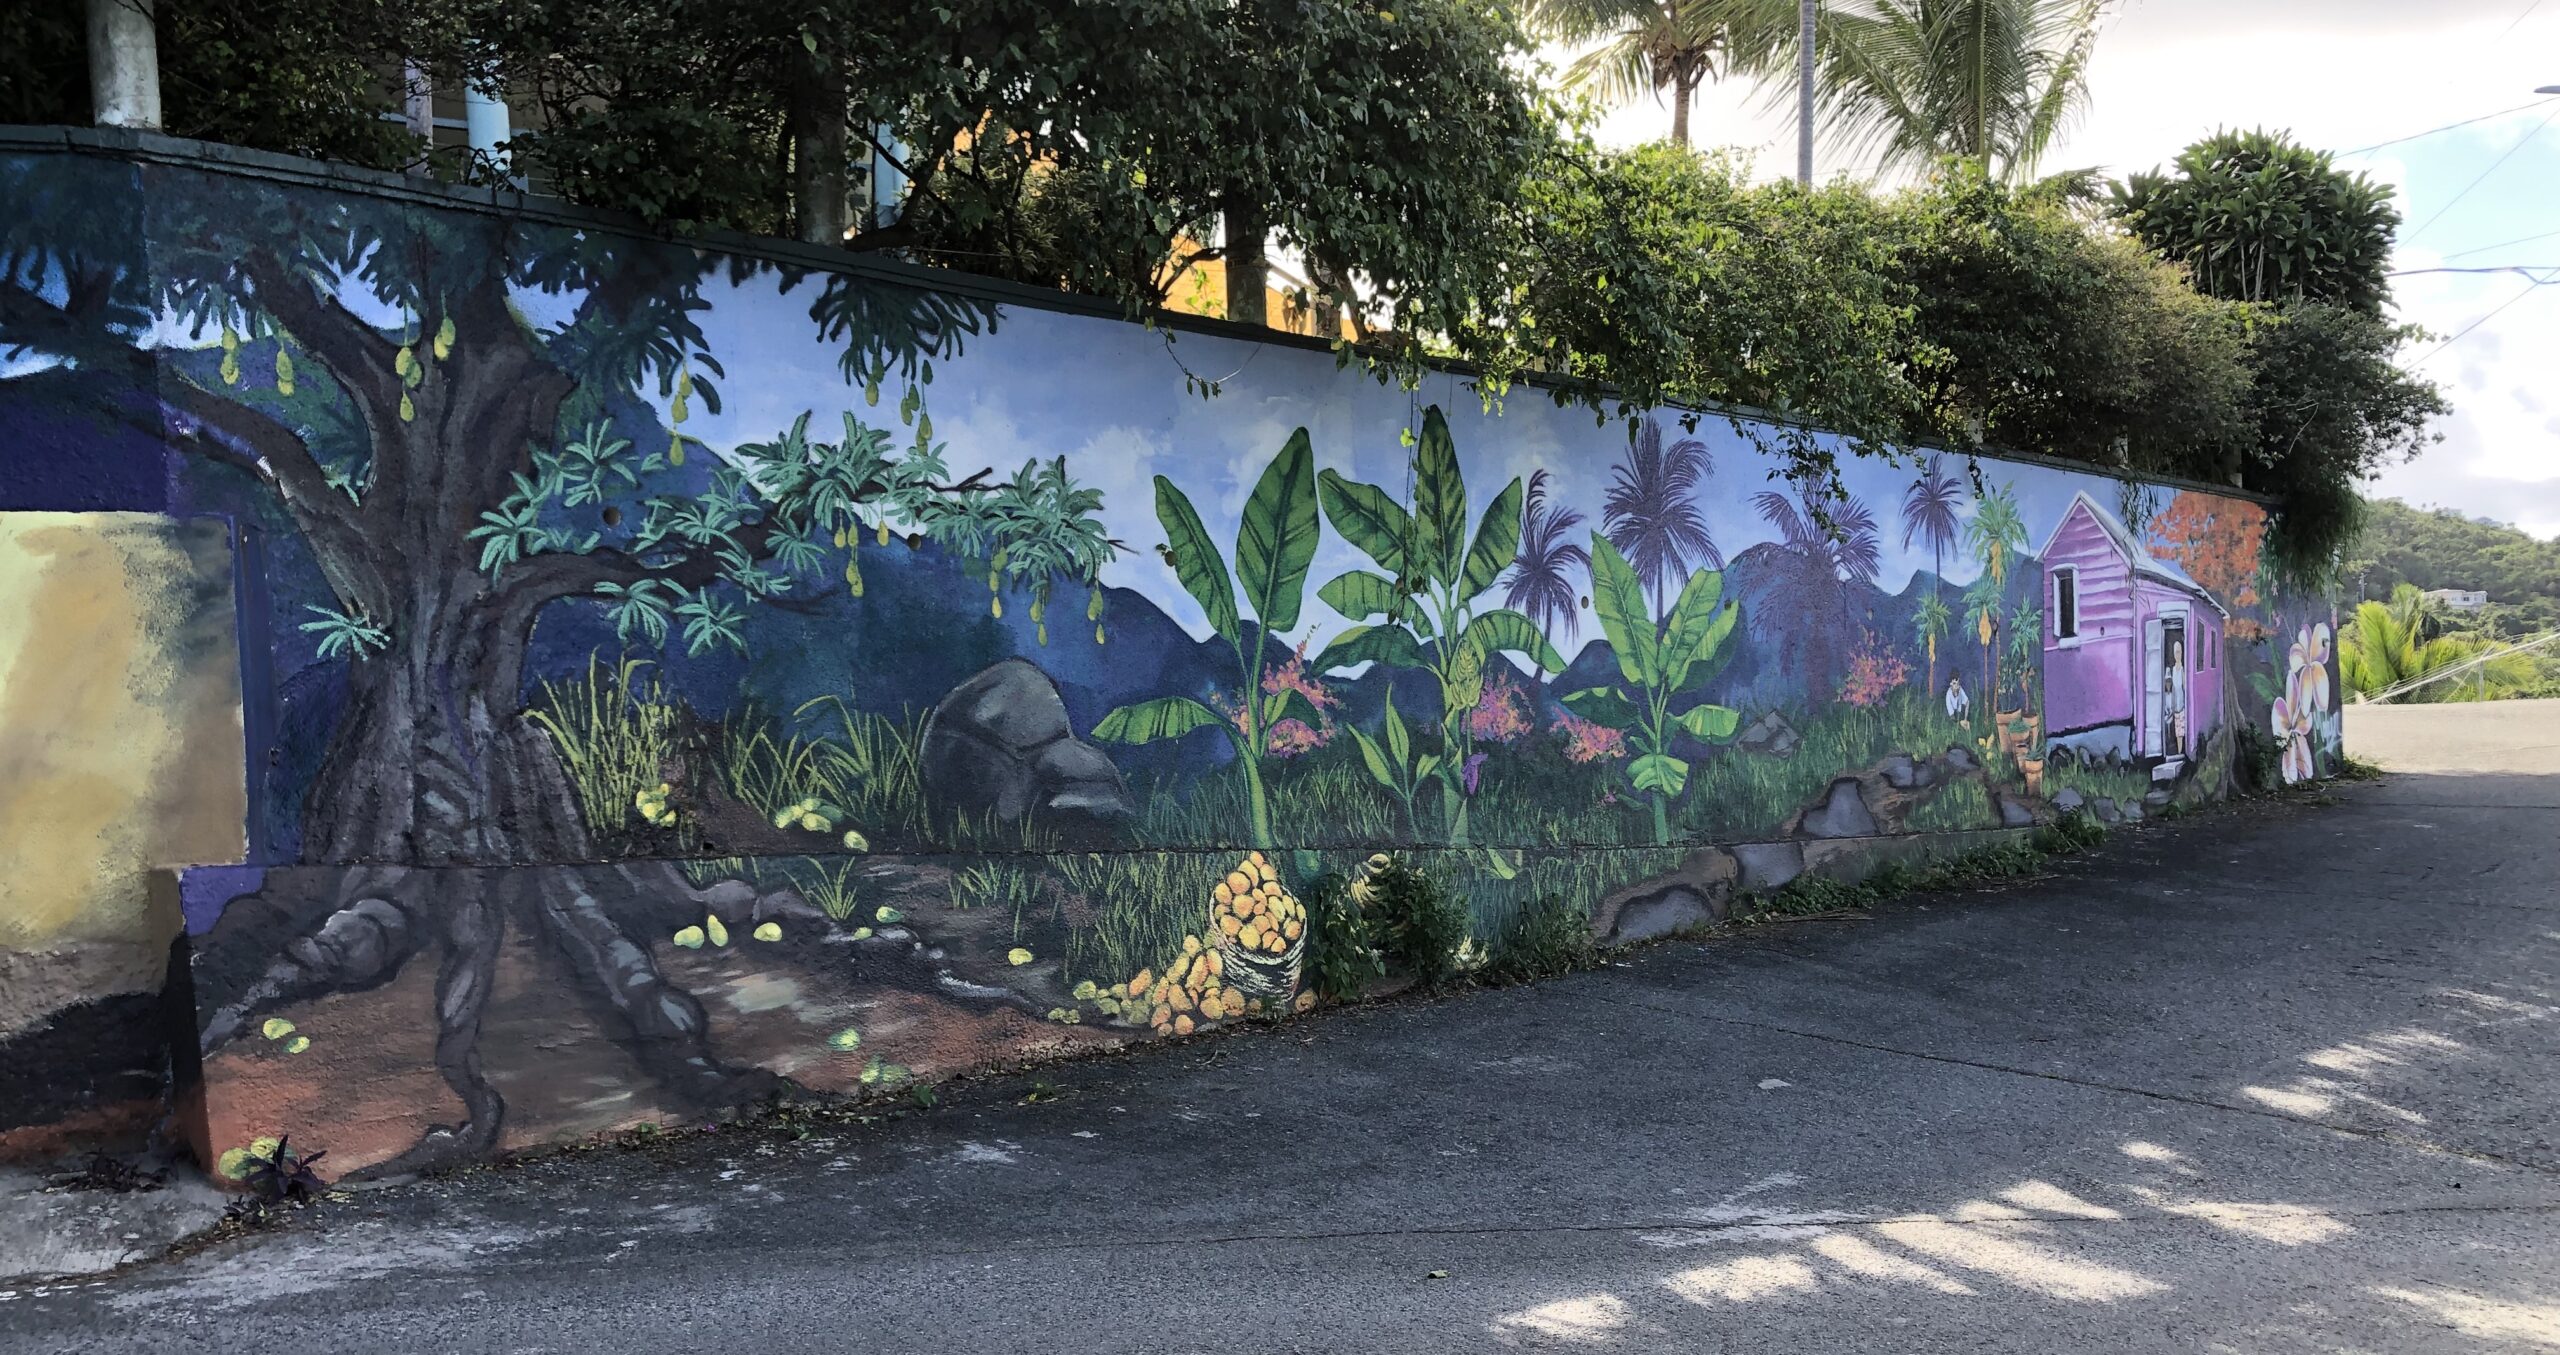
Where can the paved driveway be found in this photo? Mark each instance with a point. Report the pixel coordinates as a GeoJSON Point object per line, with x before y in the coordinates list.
{"type": "Point", "coordinates": [2276, 1079]}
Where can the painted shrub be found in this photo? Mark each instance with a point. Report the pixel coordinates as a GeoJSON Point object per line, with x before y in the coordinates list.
{"type": "Point", "coordinates": [676, 678]}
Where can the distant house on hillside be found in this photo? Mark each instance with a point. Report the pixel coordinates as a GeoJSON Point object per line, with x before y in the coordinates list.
{"type": "Point", "coordinates": [2460, 599]}
{"type": "Point", "coordinates": [2132, 646]}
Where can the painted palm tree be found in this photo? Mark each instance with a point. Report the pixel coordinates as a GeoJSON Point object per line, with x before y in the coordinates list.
{"type": "Point", "coordinates": [1541, 586]}
{"type": "Point", "coordinates": [1929, 625]}
{"type": "Point", "coordinates": [1991, 82]}
{"type": "Point", "coordinates": [1830, 541]}
{"type": "Point", "coordinates": [1930, 517]}
{"type": "Point", "coordinates": [1827, 526]}
{"type": "Point", "coordinates": [1670, 47]}
{"type": "Point", "coordinates": [1931, 513]}
{"type": "Point", "coordinates": [1651, 511]}
{"type": "Point", "coordinates": [1993, 535]}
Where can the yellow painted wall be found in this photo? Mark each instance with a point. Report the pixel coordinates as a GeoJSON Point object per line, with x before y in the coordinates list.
{"type": "Point", "coordinates": [120, 739]}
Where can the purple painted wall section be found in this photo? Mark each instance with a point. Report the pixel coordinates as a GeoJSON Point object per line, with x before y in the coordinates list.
{"type": "Point", "coordinates": [2090, 680]}
{"type": "Point", "coordinates": [2098, 680]}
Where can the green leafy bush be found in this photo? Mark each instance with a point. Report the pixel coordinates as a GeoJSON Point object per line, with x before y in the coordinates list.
{"type": "Point", "coordinates": [1419, 926]}
{"type": "Point", "coordinates": [1551, 936]}
{"type": "Point", "coordinates": [1342, 956]}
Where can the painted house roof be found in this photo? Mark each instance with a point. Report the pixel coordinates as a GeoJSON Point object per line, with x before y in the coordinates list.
{"type": "Point", "coordinates": [2142, 562]}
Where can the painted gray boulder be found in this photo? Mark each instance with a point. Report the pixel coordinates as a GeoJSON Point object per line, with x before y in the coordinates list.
{"type": "Point", "coordinates": [1001, 743]}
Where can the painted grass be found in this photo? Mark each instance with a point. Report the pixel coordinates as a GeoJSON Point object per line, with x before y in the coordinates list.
{"type": "Point", "coordinates": [1129, 911]}
{"type": "Point", "coordinates": [1957, 806]}
{"type": "Point", "coordinates": [616, 729]}
{"type": "Point", "coordinates": [1002, 886]}
{"type": "Point", "coordinates": [2113, 783]}
{"type": "Point", "coordinates": [1737, 795]}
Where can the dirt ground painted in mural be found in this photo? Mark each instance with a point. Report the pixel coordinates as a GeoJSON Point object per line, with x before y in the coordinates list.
{"type": "Point", "coordinates": [696, 678]}
{"type": "Point", "coordinates": [120, 745]}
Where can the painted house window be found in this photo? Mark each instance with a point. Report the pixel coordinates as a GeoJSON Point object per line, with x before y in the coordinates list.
{"type": "Point", "coordinates": [2066, 604]}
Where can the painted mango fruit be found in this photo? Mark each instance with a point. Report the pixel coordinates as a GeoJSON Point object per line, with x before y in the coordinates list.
{"type": "Point", "coordinates": [769, 931]}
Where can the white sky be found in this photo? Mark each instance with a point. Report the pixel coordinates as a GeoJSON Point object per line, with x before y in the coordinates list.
{"type": "Point", "coordinates": [2341, 74]}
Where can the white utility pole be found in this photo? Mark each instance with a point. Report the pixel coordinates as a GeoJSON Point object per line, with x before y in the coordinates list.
{"type": "Point", "coordinates": [1804, 93]}
{"type": "Point", "coordinates": [124, 64]}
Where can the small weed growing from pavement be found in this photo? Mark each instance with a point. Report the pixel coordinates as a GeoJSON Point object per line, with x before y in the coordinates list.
{"type": "Point", "coordinates": [1042, 1090]}
{"type": "Point", "coordinates": [1550, 937]}
{"type": "Point", "coordinates": [284, 1176]}
{"type": "Point", "coordinates": [1419, 927]}
{"type": "Point", "coordinates": [925, 1097]}
{"type": "Point", "coordinates": [2353, 768]}
{"type": "Point", "coordinates": [1342, 956]}
{"type": "Point", "coordinates": [2077, 831]}
{"type": "Point", "coordinates": [1816, 896]}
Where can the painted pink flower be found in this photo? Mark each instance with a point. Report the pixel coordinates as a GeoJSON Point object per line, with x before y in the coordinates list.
{"type": "Point", "coordinates": [1873, 673]}
{"type": "Point", "coordinates": [1293, 736]}
{"type": "Point", "coordinates": [1289, 735]}
{"type": "Point", "coordinates": [1502, 714]}
{"type": "Point", "coordinates": [1588, 741]}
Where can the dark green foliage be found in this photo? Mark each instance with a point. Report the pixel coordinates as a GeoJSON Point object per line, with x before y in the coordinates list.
{"type": "Point", "coordinates": [1418, 925]}
{"type": "Point", "coordinates": [2031, 331]}
{"type": "Point", "coordinates": [1551, 936]}
{"type": "Point", "coordinates": [301, 79]}
{"type": "Point", "coordinates": [2331, 406]}
{"type": "Point", "coordinates": [1675, 280]}
{"type": "Point", "coordinates": [2256, 216]}
{"type": "Point", "coordinates": [1342, 957]}
{"type": "Point", "coordinates": [2261, 220]}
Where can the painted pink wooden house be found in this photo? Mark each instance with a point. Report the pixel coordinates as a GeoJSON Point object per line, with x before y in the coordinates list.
{"type": "Point", "coordinates": [2133, 658]}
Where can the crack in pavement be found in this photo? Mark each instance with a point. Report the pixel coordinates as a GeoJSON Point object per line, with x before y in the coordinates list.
{"type": "Point", "coordinates": [2202, 1103]}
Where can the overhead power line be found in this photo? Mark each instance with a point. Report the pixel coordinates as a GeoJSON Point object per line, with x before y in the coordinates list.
{"type": "Point", "coordinates": [2450, 126]}
{"type": "Point", "coordinates": [2519, 240]}
{"type": "Point", "coordinates": [2484, 174]}
{"type": "Point", "coordinates": [2537, 284]}
{"type": "Point", "coordinates": [2526, 269]}
{"type": "Point", "coordinates": [2528, 13]}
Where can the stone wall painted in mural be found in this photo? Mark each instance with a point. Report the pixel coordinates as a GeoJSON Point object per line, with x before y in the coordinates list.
{"type": "Point", "coordinates": [678, 677]}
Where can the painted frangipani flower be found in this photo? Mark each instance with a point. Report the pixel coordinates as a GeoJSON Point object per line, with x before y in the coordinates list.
{"type": "Point", "coordinates": [2300, 718]}
{"type": "Point", "coordinates": [2292, 728]}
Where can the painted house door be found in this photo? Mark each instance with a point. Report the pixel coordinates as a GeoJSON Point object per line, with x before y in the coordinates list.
{"type": "Point", "coordinates": [2154, 684]}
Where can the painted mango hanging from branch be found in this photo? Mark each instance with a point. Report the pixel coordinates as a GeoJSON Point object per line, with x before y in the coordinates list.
{"type": "Point", "coordinates": [1275, 546]}
{"type": "Point", "coordinates": [1660, 660]}
{"type": "Point", "coordinates": [1418, 609]}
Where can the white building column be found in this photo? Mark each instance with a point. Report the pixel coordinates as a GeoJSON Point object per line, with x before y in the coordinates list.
{"type": "Point", "coordinates": [485, 121]}
{"type": "Point", "coordinates": [124, 64]}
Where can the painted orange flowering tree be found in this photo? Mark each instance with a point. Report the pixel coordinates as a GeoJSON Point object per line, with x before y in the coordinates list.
{"type": "Point", "coordinates": [2217, 541]}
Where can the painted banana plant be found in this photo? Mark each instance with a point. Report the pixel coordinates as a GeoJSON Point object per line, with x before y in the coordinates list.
{"type": "Point", "coordinates": [1418, 608]}
{"type": "Point", "coordinates": [1396, 765]}
{"type": "Point", "coordinates": [1660, 660]}
{"type": "Point", "coordinates": [1275, 545]}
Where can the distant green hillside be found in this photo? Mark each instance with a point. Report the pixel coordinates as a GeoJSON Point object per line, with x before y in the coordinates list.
{"type": "Point", "coordinates": [2440, 548]}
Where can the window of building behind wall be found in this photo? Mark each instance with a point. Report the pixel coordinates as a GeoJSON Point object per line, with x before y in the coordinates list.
{"type": "Point", "coordinates": [2066, 604]}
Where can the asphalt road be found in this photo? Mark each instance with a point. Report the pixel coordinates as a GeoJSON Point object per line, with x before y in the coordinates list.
{"type": "Point", "coordinates": [2280, 1078]}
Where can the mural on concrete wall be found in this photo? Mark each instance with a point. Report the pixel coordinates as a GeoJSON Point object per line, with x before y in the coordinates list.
{"type": "Point", "coordinates": [696, 678]}
{"type": "Point", "coordinates": [120, 748]}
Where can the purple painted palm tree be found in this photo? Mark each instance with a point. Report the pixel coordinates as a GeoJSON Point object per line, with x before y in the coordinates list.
{"type": "Point", "coordinates": [1827, 526]}
{"type": "Point", "coordinates": [1651, 511]}
{"type": "Point", "coordinates": [1929, 515]}
{"type": "Point", "coordinates": [1541, 584]}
